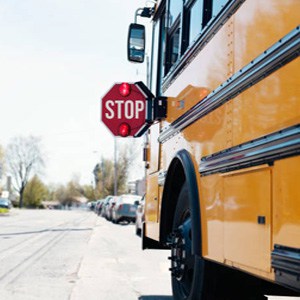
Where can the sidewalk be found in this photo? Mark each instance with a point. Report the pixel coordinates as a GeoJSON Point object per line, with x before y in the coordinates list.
{"type": "Point", "coordinates": [114, 267]}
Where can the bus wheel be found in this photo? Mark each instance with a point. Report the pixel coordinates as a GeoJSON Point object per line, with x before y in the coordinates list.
{"type": "Point", "coordinates": [187, 270]}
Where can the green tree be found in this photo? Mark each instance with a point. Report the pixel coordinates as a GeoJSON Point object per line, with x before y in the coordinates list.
{"type": "Point", "coordinates": [89, 192]}
{"type": "Point", "coordinates": [67, 195]}
{"type": "Point", "coordinates": [104, 171]}
{"type": "Point", "coordinates": [35, 192]}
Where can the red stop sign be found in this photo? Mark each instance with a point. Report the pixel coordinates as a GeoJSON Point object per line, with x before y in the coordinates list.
{"type": "Point", "coordinates": [124, 109]}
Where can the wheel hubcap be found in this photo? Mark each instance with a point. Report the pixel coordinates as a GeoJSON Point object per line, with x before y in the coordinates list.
{"type": "Point", "coordinates": [181, 253]}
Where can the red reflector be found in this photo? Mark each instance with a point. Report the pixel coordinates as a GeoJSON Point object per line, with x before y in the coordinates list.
{"type": "Point", "coordinates": [124, 130]}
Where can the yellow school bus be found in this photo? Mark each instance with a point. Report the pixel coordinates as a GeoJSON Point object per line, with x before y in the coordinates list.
{"type": "Point", "coordinates": [223, 166]}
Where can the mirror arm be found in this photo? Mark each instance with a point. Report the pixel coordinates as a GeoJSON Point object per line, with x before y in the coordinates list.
{"type": "Point", "coordinates": [137, 13]}
{"type": "Point", "coordinates": [145, 12]}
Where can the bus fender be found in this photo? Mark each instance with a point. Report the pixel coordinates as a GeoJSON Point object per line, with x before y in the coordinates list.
{"type": "Point", "coordinates": [181, 170]}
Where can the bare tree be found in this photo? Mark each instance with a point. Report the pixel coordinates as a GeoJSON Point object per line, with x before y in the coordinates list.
{"type": "Point", "coordinates": [23, 157]}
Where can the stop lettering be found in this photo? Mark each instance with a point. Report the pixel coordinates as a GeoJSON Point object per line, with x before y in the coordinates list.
{"type": "Point", "coordinates": [127, 109]}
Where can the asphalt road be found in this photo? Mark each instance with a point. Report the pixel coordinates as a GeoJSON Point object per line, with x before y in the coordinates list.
{"type": "Point", "coordinates": [75, 255]}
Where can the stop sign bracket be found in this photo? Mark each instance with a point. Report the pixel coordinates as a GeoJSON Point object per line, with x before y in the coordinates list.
{"type": "Point", "coordinates": [149, 98]}
{"type": "Point", "coordinates": [156, 108]}
{"type": "Point", "coordinates": [149, 117]}
{"type": "Point", "coordinates": [159, 108]}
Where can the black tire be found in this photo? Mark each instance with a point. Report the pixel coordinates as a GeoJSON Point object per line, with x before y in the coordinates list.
{"type": "Point", "coordinates": [188, 270]}
{"type": "Point", "coordinates": [138, 231]}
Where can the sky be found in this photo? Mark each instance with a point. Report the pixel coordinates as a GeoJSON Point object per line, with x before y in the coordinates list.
{"type": "Point", "coordinates": [57, 59]}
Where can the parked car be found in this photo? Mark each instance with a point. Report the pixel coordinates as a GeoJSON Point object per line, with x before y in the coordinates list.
{"type": "Point", "coordinates": [98, 206]}
{"type": "Point", "coordinates": [140, 217]}
{"type": "Point", "coordinates": [125, 208]}
{"type": "Point", "coordinates": [91, 205]}
{"type": "Point", "coordinates": [110, 207]}
{"type": "Point", "coordinates": [5, 205]}
{"type": "Point", "coordinates": [104, 207]}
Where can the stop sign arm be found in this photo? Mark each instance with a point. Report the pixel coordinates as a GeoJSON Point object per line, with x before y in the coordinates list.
{"type": "Point", "coordinates": [149, 98]}
{"type": "Point", "coordinates": [156, 108]}
{"type": "Point", "coordinates": [149, 110]}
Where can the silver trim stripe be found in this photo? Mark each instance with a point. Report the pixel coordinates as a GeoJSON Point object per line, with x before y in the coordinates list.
{"type": "Point", "coordinates": [264, 150]}
{"type": "Point", "coordinates": [281, 53]}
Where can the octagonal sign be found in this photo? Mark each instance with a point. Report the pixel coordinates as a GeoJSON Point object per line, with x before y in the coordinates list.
{"type": "Point", "coordinates": [124, 109]}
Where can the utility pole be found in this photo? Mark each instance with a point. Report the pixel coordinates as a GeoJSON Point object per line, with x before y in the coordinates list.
{"type": "Point", "coordinates": [115, 167]}
{"type": "Point", "coordinates": [148, 71]}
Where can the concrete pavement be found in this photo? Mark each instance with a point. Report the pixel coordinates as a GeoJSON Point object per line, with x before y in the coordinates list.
{"type": "Point", "coordinates": [114, 267]}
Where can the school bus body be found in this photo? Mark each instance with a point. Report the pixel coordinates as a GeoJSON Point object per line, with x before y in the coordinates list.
{"type": "Point", "coordinates": [234, 110]}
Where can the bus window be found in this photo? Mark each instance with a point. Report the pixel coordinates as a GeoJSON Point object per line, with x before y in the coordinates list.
{"type": "Point", "coordinates": [185, 21]}
{"type": "Point", "coordinates": [174, 11]}
{"type": "Point", "coordinates": [174, 33]}
{"type": "Point", "coordinates": [174, 46]}
{"type": "Point", "coordinates": [162, 53]}
{"type": "Point", "coordinates": [196, 14]}
{"type": "Point", "coordinates": [217, 6]}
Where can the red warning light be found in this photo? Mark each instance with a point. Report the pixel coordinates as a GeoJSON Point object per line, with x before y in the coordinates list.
{"type": "Point", "coordinates": [124, 130]}
{"type": "Point", "coordinates": [125, 89]}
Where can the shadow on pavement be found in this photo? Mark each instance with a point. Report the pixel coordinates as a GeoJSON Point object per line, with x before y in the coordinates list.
{"type": "Point", "coordinates": [155, 298]}
{"type": "Point", "coordinates": [45, 230]}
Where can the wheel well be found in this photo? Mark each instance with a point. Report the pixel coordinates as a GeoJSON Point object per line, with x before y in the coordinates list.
{"type": "Point", "coordinates": [173, 184]}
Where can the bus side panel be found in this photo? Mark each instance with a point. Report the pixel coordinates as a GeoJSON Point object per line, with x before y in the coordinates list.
{"type": "Point", "coordinates": [286, 191]}
{"type": "Point", "coordinates": [260, 24]}
{"type": "Point", "coordinates": [269, 106]}
{"type": "Point", "coordinates": [154, 149]}
{"type": "Point", "coordinates": [247, 217]}
{"type": "Point", "coordinates": [152, 189]}
{"type": "Point", "coordinates": [211, 195]}
{"type": "Point", "coordinates": [151, 208]}
{"type": "Point", "coordinates": [272, 104]}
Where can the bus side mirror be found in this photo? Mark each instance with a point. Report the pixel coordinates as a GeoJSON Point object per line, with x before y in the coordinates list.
{"type": "Point", "coordinates": [136, 43]}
